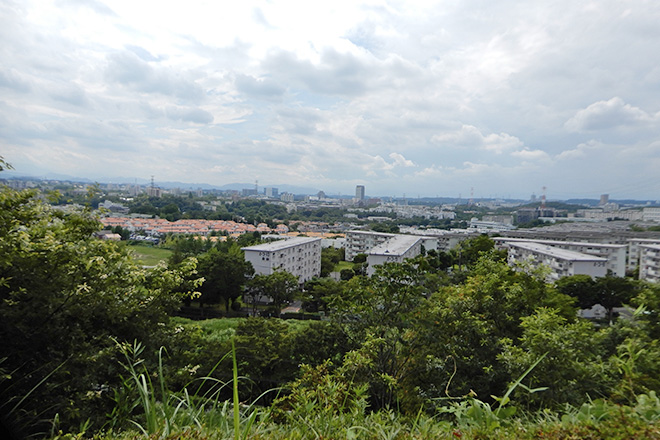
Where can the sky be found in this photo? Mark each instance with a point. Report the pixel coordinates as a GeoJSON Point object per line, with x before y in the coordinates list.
{"type": "Point", "coordinates": [417, 98]}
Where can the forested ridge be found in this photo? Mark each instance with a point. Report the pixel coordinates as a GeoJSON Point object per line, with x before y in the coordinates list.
{"type": "Point", "coordinates": [424, 349]}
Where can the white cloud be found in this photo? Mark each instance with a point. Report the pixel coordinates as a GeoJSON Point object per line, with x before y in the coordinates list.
{"type": "Point", "coordinates": [401, 161]}
{"type": "Point", "coordinates": [605, 115]}
{"type": "Point", "coordinates": [400, 96]}
{"type": "Point", "coordinates": [531, 155]}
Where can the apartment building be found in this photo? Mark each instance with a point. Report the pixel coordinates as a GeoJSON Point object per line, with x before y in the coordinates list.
{"type": "Point", "coordinates": [395, 250]}
{"type": "Point", "coordinates": [635, 250]}
{"type": "Point", "coordinates": [649, 263]}
{"type": "Point", "coordinates": [615, 254]}
{"type": "Point", "coordinates": [300, 256]}
{"type": "Point", "coordinates": [361, 242]}
{"type": "Point", "coordinates": [561, 262]}
{"type": "Point", "coordinates": [651, 214]}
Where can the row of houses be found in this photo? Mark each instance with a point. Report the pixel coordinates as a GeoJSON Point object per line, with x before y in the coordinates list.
{"type": "Point", "coordinates": [158, 226]}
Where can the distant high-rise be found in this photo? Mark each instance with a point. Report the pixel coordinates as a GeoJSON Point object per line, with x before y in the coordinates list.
{"type": "Point", "coordinates": [604, 199]}
{"type": "Point", "coordinates": [359, 192]}
{"type": "Point", "coordinates": [271, 192]}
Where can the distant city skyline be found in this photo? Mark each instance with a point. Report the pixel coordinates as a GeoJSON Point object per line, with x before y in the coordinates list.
{"type": "Point", "coordinates": [422, 99]}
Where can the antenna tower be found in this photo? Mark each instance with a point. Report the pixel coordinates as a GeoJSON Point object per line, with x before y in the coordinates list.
{"type": "Point", "coordinates": [543, 198]}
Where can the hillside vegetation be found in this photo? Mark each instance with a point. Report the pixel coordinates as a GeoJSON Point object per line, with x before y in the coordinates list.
{"type": "Point", "coordinates": [423, 349]}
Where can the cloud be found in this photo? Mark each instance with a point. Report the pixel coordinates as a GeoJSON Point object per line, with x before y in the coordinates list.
{"type": "Point", "coordinates": [404, 96]}
{"type": "Point", "coordinates": [129, 70]}
{"type": "Point", "coordinates": [261, 88]}
{"type": "Point", "coordinates": [11, 79]}
{"type": "Point", "coordinates": [531, 155]}
{"type": "Point", "coordinates": [401, 161]}
{"type": "Point", "coordinates": [187, 114]}
{"type": "Point", "coordinates": [604, 115]}
{"type": "Point", "coordinates": [95, 5]}
{"type": "Point", "coordinates": [336, 73]}
{"type": "Point", "coordinates": [471, 136]}
{"type": "Point", "coordinates": [71, 94]}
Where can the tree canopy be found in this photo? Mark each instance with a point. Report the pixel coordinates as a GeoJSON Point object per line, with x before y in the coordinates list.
{"type": "Point", "coordinates": [64, 298]}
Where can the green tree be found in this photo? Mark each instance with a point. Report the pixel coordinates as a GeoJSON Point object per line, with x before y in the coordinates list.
{"type": "Point", "coordinates": [63, 296]}
{"type": "Point", "coordinates": [378, 313]}
{"type": "Point", "coordinates": [346, 274]}
{"type": "Point", "coordinates": [649, 299]}
{"type": "Point", "coordinates": [573, 369]}
{"type": "Point", "coordinates": [329, 259]}
{"type": "Point", "coordinates": [464, 324]}
{"type": "Point", "coordinates": [581, 287]}
{"type": "Point", "coordinates": [263, 350]}
{"type": "Point", "coordinates": [318, 292]}
{"type": "Point", "coordinates": [469, 251]}
{"type": "Point", "coordinates": [613, 291]}
{"type": "Point", "coordinates": [225, 274]}
{"type": "Point", "coordinates": [280, 287]}
{"type": "Point", "coordinates": [4, 165]}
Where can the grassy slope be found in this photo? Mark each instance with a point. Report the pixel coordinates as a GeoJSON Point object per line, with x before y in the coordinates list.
{"type": "Point", "coordinates": [149, 255]}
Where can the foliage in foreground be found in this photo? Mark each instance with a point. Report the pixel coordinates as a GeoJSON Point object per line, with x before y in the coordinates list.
{"type": "Point", "coordinates": [325, 404]}
{"type": "Point", "coordinates": [63, 296]}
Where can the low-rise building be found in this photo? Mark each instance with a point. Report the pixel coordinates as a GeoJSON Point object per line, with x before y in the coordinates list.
{"type": "Point", "coordinates": [651, 214]}
{"type": "Point", "coordinates": [649, 263]}
{"type": "Point", "coordinates": [561, 262]}
{"type": "Point", "coordinates": [300, 256]}
{"type": "Point", "coordinates": [614, 253]}
{"type": "Point", "coordinates": [395, 250]}
{"type": "Point", "coordinates": [361, 242]}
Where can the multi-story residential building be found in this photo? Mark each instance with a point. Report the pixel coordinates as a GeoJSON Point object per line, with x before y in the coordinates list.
{"type": "Point", "coordinates": [443, 240]}
{"type": "Point", "coordinates": [489, 226]}
{"type": "Point", "coordinates": [395, 250]}
{"type": "Point", "coordinates": [561, 262]}
{"type": "Point", "coordinates": [361, 242]}
{"type": "Point", "coordinates": [635, 250]}
{"type": "Point", "coordinates": [607, 215]}
{"type": "Point", "coordinates": [649, 263]}
{"type": "Point", "coordinates": [300, 256]}
{"type": "Point", "coordinates": [651, 214]}
{"type": "Point", "coordinates": [614, 253]}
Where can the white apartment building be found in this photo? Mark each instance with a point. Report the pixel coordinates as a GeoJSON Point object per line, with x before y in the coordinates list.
{"type": "Point", "coordinates": [651, 214]}
{"type": "Point", "coordinates": [561, 262]}
{"type": "Point", "coordinates": [649, 263]}
{"type": "Point", "coordinates": [300, 256]}
{"type": "Point", "coordinates": [605, 215]}
{"type": "Point", "coordinates": [394, 250]}
{"type": "Point", "coordinates": [614, 253]}
{"type": "Point", "coordinates": [635, 248]}
{"type": "Point", "coordinates": [361, 242]}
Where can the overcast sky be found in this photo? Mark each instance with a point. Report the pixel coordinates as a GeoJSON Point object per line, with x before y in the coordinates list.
{"type": "Point", "coordinates": [405, 97]}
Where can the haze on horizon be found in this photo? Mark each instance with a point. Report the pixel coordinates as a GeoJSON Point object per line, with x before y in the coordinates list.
{"type": "Point", "coordinates": [422, 98]}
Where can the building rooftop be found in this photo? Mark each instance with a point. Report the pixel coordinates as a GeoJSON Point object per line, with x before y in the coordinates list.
{"type": "Point", "coordinates": [398, 245]}
{"type": "Point", "coordinates": [281, 244]}
{"type": "Point", "coordinates": [561, 254]}
{"type": "Point", "coordinates": [560, 243]}
{"type": "Point", "coordinates": [379, 234]}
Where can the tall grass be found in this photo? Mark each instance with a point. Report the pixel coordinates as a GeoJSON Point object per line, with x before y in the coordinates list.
{"type": "Point", "coordinates": [144, 407]}
{"type": "Point", "coordinates": [157, 412]}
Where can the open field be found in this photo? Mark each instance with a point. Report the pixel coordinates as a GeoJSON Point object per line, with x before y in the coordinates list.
{"type": "Point", "coordinates": [149, 255]}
